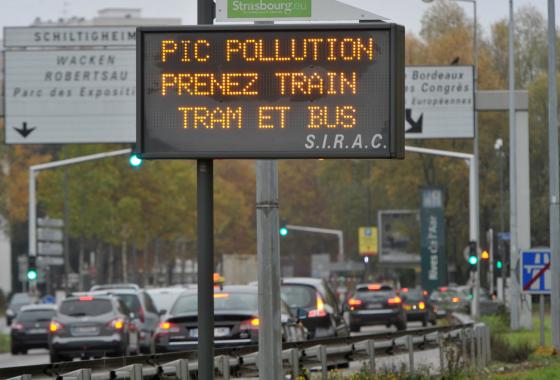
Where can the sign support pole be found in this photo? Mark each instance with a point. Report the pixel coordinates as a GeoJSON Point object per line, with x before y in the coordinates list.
{"type": "Point", "coordinates": [268, 251]}
{"type": "Point", "coordinates": [205, 226]}
{"type": "Point", "coordinates": [553, 172]}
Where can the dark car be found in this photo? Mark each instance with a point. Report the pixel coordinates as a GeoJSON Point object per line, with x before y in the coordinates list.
{"type": "Point", "coordinates": [144, 312]}
{"type": "Point", "coordinates": [450, 299]}
{"type": "Point", "coordinates": [315, 304]}
{"type": "Point", "coordinates": [236, 321]}
{"type": "Point", "coordinates": [418, 306]}
{"type": "Point", "coordinates": [17, 301]}
{"type": "Point", "coordinates": [376, 304]}
{"type": "Point", "coordinates": [30, 328]}
{"type": "Point", "coordinates": [91, 326]}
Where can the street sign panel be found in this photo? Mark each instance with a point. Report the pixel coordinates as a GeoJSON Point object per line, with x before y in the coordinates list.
{"type": "Point", "coordinates": [399, 237]}
{"type": "Point", "coordinates": [50, 260]}
{"type": "Point", "coordinates": [49, 234]}
{"type": "Point", "coordinates": [70, 88]}
{"type": "Point", "coordinates": [535, 271]}
{"type": "Point", "coordinates": [50, 249]}
{"type": "Point", "coordinates": [439, 102]}
{"type": "Point", "coordinates": [285, 10]}
{"type": "Point", "coordinates": [368, 241]}
{"type": "Point", "coordinates": [48, 222]}
{"type": "Point", "coordinates": [271, 91]}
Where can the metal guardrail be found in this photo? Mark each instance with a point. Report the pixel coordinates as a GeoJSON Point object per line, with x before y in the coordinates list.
{"type": "Point", "coordinates": [472, 339]}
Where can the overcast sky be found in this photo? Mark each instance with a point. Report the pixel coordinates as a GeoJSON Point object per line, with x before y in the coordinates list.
{"type": "Point", "coordinates": [406, 12]}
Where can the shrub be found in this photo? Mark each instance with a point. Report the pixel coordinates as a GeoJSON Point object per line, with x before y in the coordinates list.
{"type": "Point", "coordinates": [505, 351]}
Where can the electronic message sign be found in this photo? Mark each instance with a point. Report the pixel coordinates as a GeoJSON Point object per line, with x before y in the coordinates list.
{"type": "Point", "coordinates": [289, 91]}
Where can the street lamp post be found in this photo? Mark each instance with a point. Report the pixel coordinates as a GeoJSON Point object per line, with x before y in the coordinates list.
{"type": "Point", "coordinates": [474, 232]}
{"type": "Point", "coordinates": [499, 148]}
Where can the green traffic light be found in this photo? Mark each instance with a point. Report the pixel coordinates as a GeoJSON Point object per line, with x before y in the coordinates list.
{"type": "Point", "coordinates": [31, 275]}
{"type": "Point", "coordinates": [473, 260]}
{"type": "Point", "coordinates": [499, 264]}
{"type": "Point", "coordinates": [135, 160]}
{"type": "Point", "coordinates": [283, 231]}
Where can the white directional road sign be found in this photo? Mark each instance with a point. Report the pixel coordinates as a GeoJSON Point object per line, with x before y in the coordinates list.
{"type": "Point", "coordinates": [49, 234]}
{"type": "Point", "coordinates": [50, 249]}
{"type": "Point", "coordinates": [54, 94]}
{"type": "Point", "coordinates": [289, 10]}
{"type": "Point", "coordinates": [48, 222]}
{"type": "Point", "coordinates": [439, 102]}
{"type": "Point", "coordinates": [535, 271]}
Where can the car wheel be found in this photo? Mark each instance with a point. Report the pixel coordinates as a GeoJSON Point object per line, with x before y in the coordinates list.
{"type": "Point", "coordinates": [15, 350]}
{"type": "Point", "coordinates": [23, 351]}
{"type": "Point", "coordinates": [55, 358]}
{"type": "Point", "coordinates": [425, 320]}
{"type": "Point", "coordinates": [400, 325]}
{"type": "Point", "coordinates": [354, 328]}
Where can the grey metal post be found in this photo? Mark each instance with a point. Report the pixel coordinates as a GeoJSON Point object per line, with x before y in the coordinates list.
{"type": "Point", "coordinates": [32, 213]}
{"type": "Point", "coordinates": [323, 358]}
{"type": "Point", "coordinates": [268, 255]}
{"type": "Point", "coordinates": [294, 361]}
{"type": "Point", "coordinates": [371, 355]}
{"type": "Point", "coordinates": [491, 260]}
{"type": "Point", "coordinates": [67, 268]}
{"type": "Point", "coordinates": [205, 225]}
{"type": "Point", "coordinates": [553, 173]}
{"type": "Point", "coordinates": [514, 254]}
{"type": "Point", "coordinates": [441, 349]}
{"type": "Point", "coordinates": [541, 320]}
{"type": "Point", "coordinates": [410, 345]}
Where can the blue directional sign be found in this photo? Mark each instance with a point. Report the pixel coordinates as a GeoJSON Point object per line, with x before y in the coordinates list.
{"type": "Point", "coordinates": [536, 273]}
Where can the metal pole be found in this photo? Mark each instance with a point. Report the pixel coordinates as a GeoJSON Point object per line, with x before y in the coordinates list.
{"type": "Point", "coordinates": [473, 235]}
{"type": "Point", "coordinates": [501, 245]}
{"type": "Point", "coordinates": [541, 315]}
{"type": "Point", "coordinates": [67, 268]}
{"type": "Point", "coordinates": [553, 173]}
{"type": "Point", "coordinates": [491, 263]}
{"type": "Point", "coordinates": [515, 291]}
{"type": "Point", "coordinates": [268, 251]}
{"type": "Point", "coordinates": [32, 213]}
{"type": "Point", "coordinates": [205, 221]}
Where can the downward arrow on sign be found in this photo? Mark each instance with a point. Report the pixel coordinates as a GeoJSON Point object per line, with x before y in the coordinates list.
{"type": "Point", "coordinates": [24, 131]}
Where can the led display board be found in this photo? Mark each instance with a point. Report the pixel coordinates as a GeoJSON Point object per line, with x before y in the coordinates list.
{"type": "Point", "coordinates": [274, 91]}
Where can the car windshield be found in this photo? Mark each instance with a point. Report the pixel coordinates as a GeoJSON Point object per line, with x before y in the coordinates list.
{"type": "Point", "coordinates": [299, 296]}
{"type": "Point", "coordinates": [414, 296]}
{"type": "Point", "coordinates": [223, 302]}
{"type": "Point", "coordinates": [91, 308]}
{"type": "Point", "coordinates": [163, 299]}
{"type": "Point", "coordinates": [20, 299]}
{"type": "Point", "coordinates": [130, 300]}
{"type": "Point", "coordinates": [36, 315]}
{"type": "Point", "coordinates": [374, 296]}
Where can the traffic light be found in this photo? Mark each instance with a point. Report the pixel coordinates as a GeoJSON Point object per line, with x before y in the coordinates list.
{"type": "Point", "coordinates": [499, 262]}
{"type": "Point", "coordinates": [485, 255]}
{"type": "Point", "coordinates": [283, 230]}
{"type": "Point", "coordinates": [473, 257]}
{"type": "Point", "coordinates": [32, 268]}
{"type": "Point", "coordinates": [135, 160]}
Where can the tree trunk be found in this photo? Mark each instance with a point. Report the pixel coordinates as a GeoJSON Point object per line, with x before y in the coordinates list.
{"type": "Point", "coordinates": [124, 261]}
{"type": "Point", "coordinates": [111, 264]}
{"type": "Point", "coordinates": [145, 271]}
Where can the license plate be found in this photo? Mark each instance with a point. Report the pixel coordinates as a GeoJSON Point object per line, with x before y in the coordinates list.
{"type": "Point", "coordinates": [37, 331]}
{"type": "Point", "coordinates": [219, 332]}
{"type": "Point", "coordinates": [89, 330]}
{"type": "Point", "coordinates": [374, 306]}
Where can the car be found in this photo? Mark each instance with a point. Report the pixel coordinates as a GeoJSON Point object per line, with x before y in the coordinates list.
{"type": "Point", "coordinates": [17, 301]}
{"type": "Point", "coordinates": [144, 312]}
{"type": "Point", "coordinates": [91, 326]}
{"type": "Point", "coordinates": [114, 286]}
{"type": "Point", "coordinates": [450, 299]}
{"type": "Point", "coordinates": [418, 306]}
{"type": "Point", "coordinates": [164, 297]}
{"type": "Point", "coordinates": [315, 304]}
{"type": "Point", "coordinates": [376, 304]}
{"type": "Point", "coordinates": [236, 320]}
{"type": "Point", "coordinates": [30, 328]}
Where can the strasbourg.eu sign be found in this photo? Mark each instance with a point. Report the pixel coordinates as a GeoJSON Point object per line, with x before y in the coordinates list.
{"type": "Point", "coordinates": [333, 91]}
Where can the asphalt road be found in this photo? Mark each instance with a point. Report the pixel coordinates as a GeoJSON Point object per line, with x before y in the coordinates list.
{"type": "Point", "coordinates": [40, 356]}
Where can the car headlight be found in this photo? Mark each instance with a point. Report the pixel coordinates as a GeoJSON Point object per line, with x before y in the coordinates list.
{"type": "Point", "coordinates": [10, 313]}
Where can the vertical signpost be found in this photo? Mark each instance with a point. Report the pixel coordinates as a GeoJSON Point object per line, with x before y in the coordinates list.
{"type": "Point", "coordinates": [432, 239]}
{"type": "Point", "coordinates": [266, 92]}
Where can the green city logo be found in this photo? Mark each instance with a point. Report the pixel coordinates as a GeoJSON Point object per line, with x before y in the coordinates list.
{"type": "Point", "coordinates": [268, 8]}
